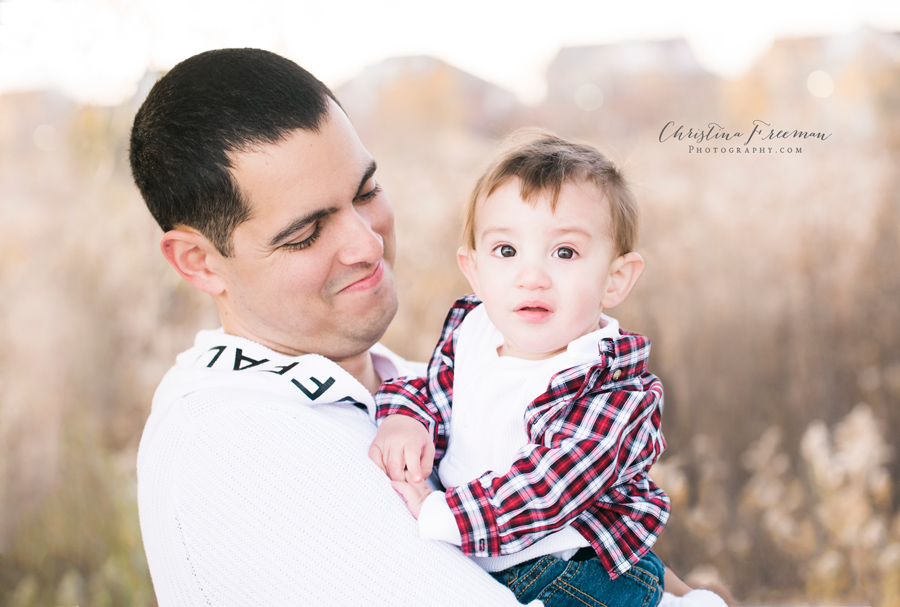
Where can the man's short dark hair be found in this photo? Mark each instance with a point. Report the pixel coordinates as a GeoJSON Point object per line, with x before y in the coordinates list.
{"type": "Point", "coordinates": [204, 110]}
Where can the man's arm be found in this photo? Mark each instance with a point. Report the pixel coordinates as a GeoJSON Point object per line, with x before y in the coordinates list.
{"type": "Point", "coordinates": [246, 500]}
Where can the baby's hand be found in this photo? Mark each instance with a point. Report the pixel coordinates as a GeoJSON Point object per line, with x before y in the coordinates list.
{"type": "Point", "coordinates": [402, 443]}
{"type": "Point", "coordinates": [414, 493]}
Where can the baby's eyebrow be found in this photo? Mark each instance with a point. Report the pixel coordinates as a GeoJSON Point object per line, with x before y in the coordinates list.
{"type": "Point", "coordinates": [562, 230]}
{"type": "Point", "coordinates": [495, 230]}
{"type": "Point", "coordinates": [571, 230]}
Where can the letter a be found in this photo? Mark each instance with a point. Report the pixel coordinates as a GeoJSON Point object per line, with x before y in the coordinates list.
{"type": "Point", "coordinates": [321, 387]}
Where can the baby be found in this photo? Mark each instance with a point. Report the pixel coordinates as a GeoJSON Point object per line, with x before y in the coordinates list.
{"type": "Point", "coordinates": [537, 408]}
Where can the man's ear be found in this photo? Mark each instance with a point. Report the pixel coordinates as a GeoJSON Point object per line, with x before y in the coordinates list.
{"type": "Point", "coordinates": [623, 273]}
{"type": "Point", "coordinates": [465, 257]}
{"type": "Point", "coordinates": [195, 259]}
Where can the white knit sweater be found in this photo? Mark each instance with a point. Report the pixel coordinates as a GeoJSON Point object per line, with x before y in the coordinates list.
{"type": "Point", "coordinates": [252, 493]}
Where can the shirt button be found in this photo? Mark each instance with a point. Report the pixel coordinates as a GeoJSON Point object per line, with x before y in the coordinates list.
{"type": "Point", "coordinates": [617, 374]}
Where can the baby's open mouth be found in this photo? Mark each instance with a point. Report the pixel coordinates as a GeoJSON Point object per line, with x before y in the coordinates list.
{"type": "Point", "coordinates": [534, 311]}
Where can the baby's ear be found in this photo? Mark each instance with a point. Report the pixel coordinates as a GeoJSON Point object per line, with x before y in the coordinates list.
{"type": "Point", "coordinates": [465, 257]}
{"type": "Point", "coordinates": [623, 273]}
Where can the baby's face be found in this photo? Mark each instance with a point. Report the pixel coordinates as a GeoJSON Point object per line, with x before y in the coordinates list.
{"type": "Point", "coordinates": [542, 275]}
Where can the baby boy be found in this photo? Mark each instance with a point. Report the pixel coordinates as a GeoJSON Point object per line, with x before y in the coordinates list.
{"type": "Point", "coordinates": [537, 408]}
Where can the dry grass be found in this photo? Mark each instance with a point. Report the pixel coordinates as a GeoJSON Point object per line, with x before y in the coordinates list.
{"type": "Point", "coordinates": [770, 295]}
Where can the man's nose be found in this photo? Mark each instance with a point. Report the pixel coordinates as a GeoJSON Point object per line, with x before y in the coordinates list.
{"type": "Point", "coordinates": [359, 242]}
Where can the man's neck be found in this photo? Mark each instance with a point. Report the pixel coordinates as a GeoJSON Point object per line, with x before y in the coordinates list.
{"type": "Point", "coordinates": [361, 367]}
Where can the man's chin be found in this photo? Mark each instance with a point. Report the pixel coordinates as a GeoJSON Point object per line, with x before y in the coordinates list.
{"type": "Point", "coordinates": [367, 326]}
{"type": "Point", "coordinates": [382, 320]}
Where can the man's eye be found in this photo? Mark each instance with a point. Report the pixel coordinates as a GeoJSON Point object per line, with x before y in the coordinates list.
{"type": "Point", "coordinates": [564, 253]}
{"type": "Point", "coordinates": [505, 251]}
{"type": "Point", "coordinates": [302, 244]}
{"type": "Point", "coordinates": [366, 197]}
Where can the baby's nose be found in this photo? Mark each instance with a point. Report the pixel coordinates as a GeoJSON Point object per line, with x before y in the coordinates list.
{"type": "Point", "coordinates": [534, 276]}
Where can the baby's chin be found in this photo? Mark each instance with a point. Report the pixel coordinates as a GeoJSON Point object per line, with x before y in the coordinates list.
{"type": "Point", "coordinates": [531, 352]}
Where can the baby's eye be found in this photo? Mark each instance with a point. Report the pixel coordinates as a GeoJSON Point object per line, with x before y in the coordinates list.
{"type": "Point", "coordinates": [564, 253]}
{"type": "Point", "coordinates": [505, 250]}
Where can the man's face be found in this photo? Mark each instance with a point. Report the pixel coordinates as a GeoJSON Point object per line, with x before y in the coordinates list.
{"type": "Point", "coordinates": [542, 274]}
{"type": "Point", "coordinates": [312, 268]}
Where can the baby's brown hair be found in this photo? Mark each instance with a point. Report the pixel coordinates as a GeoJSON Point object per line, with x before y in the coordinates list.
{"type": "Point", "coordinates": [543, 163]}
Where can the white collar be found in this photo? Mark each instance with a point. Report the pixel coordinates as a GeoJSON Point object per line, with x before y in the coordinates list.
{"type": "Point", "coordinates": [220, 360]}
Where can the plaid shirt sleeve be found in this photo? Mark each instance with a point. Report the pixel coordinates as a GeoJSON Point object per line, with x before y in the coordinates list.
{"type": "Point", "coordinates": [594, 434]}
{"type": "Point", "coordinates": [429, 399]}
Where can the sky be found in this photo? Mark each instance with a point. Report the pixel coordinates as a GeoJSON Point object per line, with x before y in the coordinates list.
{"type": "Point", "coordinates": [96, 51]}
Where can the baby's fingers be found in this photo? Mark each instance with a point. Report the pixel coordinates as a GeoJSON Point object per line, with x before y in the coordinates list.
{"type": "Point", "coordinates": [377, 456]}
{"type": "Point", "coordinates": [413, 464]}
{"type": "Point", "coordinates": [395, 463]}
{"type": "Point", "coordinates": [405, 490]}
{"type": "Point", "coordinates": [408, 493]}
{"type": "Point", "coordinates": [427, 459]}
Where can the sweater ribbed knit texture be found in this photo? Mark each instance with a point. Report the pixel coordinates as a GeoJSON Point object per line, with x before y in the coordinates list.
{"type": "Point", "coordinates": [248, 498]}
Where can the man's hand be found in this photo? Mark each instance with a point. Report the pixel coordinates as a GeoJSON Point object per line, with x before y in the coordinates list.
{"type": "Point", "coordinates": [403, 444]}
{"type": "Point", "coordinates": [414, 493]}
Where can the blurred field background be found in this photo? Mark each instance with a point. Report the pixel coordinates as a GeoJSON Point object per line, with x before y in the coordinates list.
{"type": "Point", "coordinates": [771, 295]}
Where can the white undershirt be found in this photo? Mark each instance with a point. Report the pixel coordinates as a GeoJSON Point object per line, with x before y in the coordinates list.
{"type": "Point", "coordinates": [487, 427]}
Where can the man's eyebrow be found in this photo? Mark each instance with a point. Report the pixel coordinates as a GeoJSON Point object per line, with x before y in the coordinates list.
{"type": "Point", "coordinates": [300, 223]}
{"type": "Point", "coordinates": [370, 170]}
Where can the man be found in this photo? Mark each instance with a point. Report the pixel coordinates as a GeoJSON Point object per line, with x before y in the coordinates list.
{"type": "Point", "coordinates": [254, 485]}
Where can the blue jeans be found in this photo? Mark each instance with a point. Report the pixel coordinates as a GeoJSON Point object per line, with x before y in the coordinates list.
{"type": "Point", "coordinates": [583, 581]}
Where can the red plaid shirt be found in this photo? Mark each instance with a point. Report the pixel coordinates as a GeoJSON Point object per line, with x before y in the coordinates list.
{"type": "Point", "coordinates": [593, 434]}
